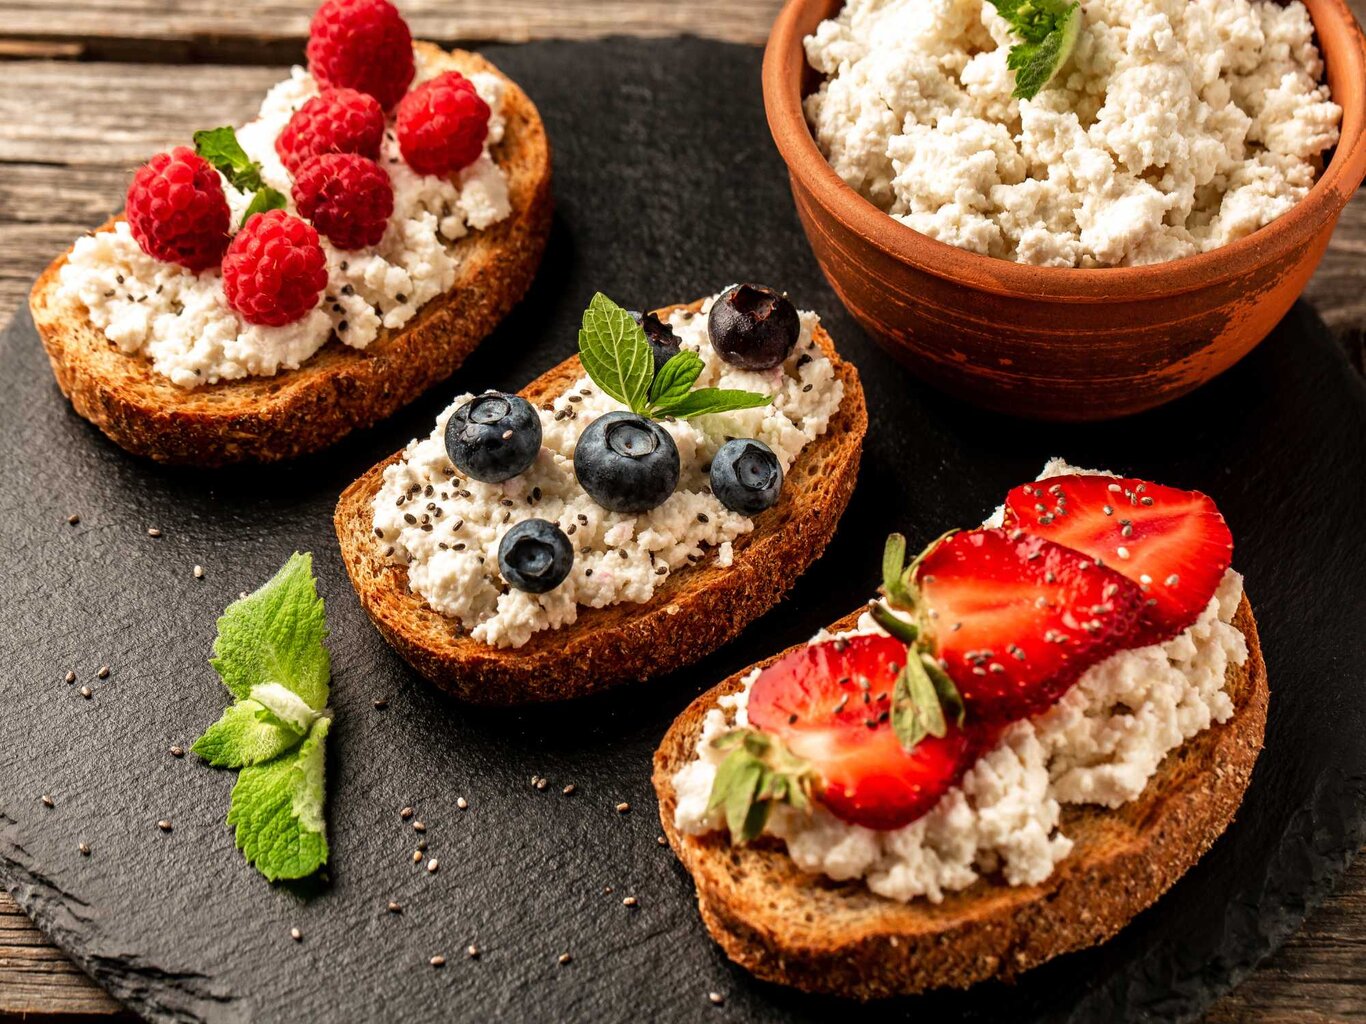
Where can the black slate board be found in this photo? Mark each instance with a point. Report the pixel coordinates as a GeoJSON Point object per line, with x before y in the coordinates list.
{"type": "Point", "coordinates": [668, 188]}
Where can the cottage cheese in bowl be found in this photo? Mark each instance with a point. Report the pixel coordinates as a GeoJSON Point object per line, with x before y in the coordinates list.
{"type": "Point", "coordinates": [445, 529]}
{"type": "Point", "coordinates": [180, 321]}
{"type": "Point", "coordinates": [1176, 127]}
{"type": "Point", "coordinates": [1099, 744]}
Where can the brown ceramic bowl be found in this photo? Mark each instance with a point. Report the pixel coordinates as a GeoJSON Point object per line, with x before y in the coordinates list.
{"type": "Point", "coordinates": [1048, 342]}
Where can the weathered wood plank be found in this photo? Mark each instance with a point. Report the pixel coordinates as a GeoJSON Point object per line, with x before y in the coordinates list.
{"type": "Point", "coordinates": [273, 31]}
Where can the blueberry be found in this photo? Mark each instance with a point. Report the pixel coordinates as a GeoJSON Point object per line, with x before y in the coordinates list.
{"type": "Point", "coordinates": [493, 436]}
{"type": "Point", "coordinates": [664, 343]}
{"type": "Point", "coordinates": [535, 556]}
{"type": "Point", "coordinates": [753, 327]}
{"type": "Point", "coordinates": [626, 463]}
{"type": "Point", "coordinates": [746, 476]}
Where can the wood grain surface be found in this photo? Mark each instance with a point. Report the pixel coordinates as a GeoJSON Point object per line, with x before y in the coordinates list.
{"type": "Point", "coordinates": [92, 87]}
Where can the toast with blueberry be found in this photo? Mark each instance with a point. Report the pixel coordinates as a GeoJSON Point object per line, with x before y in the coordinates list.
{"type": "Point", "coordinates": [1012, 752]}
{"type": "Point", "coordinates": [323, 276]}
{"type": "Point", "coordinates": [574, 508]}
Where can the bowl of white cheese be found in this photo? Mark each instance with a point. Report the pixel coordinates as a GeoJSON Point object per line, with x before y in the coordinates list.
{"type": "Point", "coordinates": [1127, 233]}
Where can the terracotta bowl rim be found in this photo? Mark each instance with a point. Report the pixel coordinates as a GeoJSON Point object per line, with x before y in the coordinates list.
{"type": "Point", "coordinates": [1341, 40]}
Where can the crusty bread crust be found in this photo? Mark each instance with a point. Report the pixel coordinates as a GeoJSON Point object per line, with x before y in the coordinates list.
{"type": "Point", "coordinates": [808, 931]}
{"type": "Point", "coordinates": [695, 611]}
{"type": "Point", "coordinates": [339, 389]}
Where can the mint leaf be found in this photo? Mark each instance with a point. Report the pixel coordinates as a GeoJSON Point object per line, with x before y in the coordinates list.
{"type": "Point", "coordinates": [676, 377]}
{"type": "Point", "coordinates": [266, 198]}
{"type": "Point", "coordinates": [1049, 30]}
{"type": "Point", "coordinates": [276, 635]}
{"type": "Point", "coordinates": [616, 354]}
{"type": "Point", "coordinates": [949, 697]}
{"type": "Point", "coordinates": [219, 146]}
{"type": "Point", "coordinates": [894, 578]}
{"type": "Point", "coordinates": [277, 810]}
{"type": "Point", "coordinates": [706, 401]}
{"type": "Point", "coordinates": [248, 733]}
{"type": "Point", "coordinates": [916, 712]}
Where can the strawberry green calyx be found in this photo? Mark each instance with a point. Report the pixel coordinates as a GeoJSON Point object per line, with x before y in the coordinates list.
{"type": "Point", "coordinates": [924, 698]}
{"type": "Point", "coordinates": [757, 774]}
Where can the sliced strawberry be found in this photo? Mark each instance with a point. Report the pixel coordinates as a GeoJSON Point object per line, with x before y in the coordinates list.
{"type": "Point", "coordinates": [830, 703]}
{"type": "Point", "coordinates": [1016, 619]}
{"type": "Point", "coordinates": [1174, 544]}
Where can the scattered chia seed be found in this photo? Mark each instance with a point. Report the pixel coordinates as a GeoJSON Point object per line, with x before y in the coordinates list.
{"type": "Point", "coordinates": [716, 998]}
{"type": "Point", "coordinates": [623, 807]}
{"type": "Point", "coordinates": [380, 703]}
{"type": "Point", "coordinates": [152, 531]}
{"type": "Point", "coordinates": [472, 951]}
{"type": "Point", "coordinates": [419, 826]}
{"type": "Point", "coordinates": [422, 845]}
{"type": "Point", "coordinates": [437, 961]}
{"type": "Point", "coordinates": [296, 935]}
{"type": "Point", "coordinates": [568, 790]}
{"type": "Point", "coordinates": [432, 866]}
{"type": "Point", "coordinates": [395, 908]}
{"type": "Point", "coordinates": [461, 802]}
{"type": "Point", "coordinates": [86, 692]}
{"type": "Point", "coordinates": [70, 677]}
{"type": "Point", "coordinates": [47, 801]}
{"type": "Point", "coordinates": [85, 849]}
{"type": "Point", "coordinates": [73, 519]}
{"type": "Point", "coordinates": [164, 825]}
{"type": "Point", "coordinates": [199, 572]}
{"type": "Point", "coordinates": [662, 841]}
{"type": "Point", "coordinates": [417, 856]}
{"type": "Point", "coordinates": [103, 673]}
{"type": "Point", "coordinates": [565, 958]}
{"type": "Point", "coordinates": [629, 901]}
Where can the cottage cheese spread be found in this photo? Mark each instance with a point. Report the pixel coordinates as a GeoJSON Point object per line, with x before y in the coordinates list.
{"type": "Point", "coordinates": [1098, 745]}
{"type": "Point", "coordinates": [1177, 126]}
{"type": "Point", "coordinates": [446, 529]}
{"type": "Point", "coordinates": [181, 320]}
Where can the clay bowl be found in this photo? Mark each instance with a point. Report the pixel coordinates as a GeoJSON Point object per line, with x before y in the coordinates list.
{"type": "Point", "coordinates": [1047, 342]}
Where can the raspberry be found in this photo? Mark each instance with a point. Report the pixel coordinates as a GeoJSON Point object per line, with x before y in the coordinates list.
{"type": "Point", "coordinates": [362, 44]}
{"type": "Point", "coordinates": [337, 121]}
{"type": "Point", "coordinates": [347, 197]}
{"type": "Point", "coordinates": [274, 270]}
{"type": "Point", "coordinates": [176, 209]}
{"type": "Point", "coordinates": [442, 125]}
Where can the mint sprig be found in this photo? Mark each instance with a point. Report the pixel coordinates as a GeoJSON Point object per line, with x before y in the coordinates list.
{"type": "Point", "coordinates": [617, 356]}
{"type": "Point", "coordinates": [1048, 30]}
{"type": "Point", "coordinates": [219, 146]}
{"type": "Point", "coordinates": [757, 774]}
{"type": "Point", "coordinates": [271, 656]}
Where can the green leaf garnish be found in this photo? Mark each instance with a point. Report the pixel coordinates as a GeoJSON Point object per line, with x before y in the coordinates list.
{"type": "Point", "coordinates": [1048, 30]}
{"type": "Point", "coordinates": [757, 775]}
{"type": "Point", "coordinates": [949, 697]}
{"type": "Point", "coordinates": [266, 198]}
{"type": "Point", "coordinates": [248, 733]}
{"type": "Point", "coordinates": [277, 810]}
{"type": "Point", "coordinates": [676, 377]}
{"type": "Point", "coordinates": [893, 624]}
{"type": "Point", "coordinates": [617, 356]}
{"type": "Point", "coordinates": [219, 146]}
{"type": "Point", "coordinates": [270, 655]}
{"type": "Point", "coordinates": [895, 585]}
{"type": "Point", "coordinates": [708, 401]}
{"type": "Point", "coordinates": [276, 635]}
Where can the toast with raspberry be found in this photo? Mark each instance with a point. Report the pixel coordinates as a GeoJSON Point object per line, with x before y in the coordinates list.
{"type": "Point", "coordinates": [913, 749]}
{"type": "Point", "coordinates": [696, 610]}
{"type": "Point", "coordinates": [338, 389]}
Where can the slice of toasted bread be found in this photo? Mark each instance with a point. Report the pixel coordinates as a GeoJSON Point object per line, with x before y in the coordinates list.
{"type": "Point", "coordinates": [695, 611]}
{"type": "Point", "coordinates": [808, 931]}
{"type": "Point", "coordinates": [339, 388]}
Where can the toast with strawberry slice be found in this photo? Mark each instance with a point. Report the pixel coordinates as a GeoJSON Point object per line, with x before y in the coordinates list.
{"type": "Point", "coordinates": [992, 644]}
{"type": "Point", "coordinates": [297, 405]}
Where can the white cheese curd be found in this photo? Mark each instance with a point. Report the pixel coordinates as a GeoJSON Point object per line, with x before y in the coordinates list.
{"type": "Point", "coordinates": [1176, 126]}
{"type": "Point", "coordinates": [181, 321]}
{"type": "Point", "coordinates": [1099, 744]}
{"type": "Point", "coordinates": [446, 529]}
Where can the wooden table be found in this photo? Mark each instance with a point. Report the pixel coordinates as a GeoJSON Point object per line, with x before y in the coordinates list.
{"type": "Point", "coordinates": [92, 88]}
